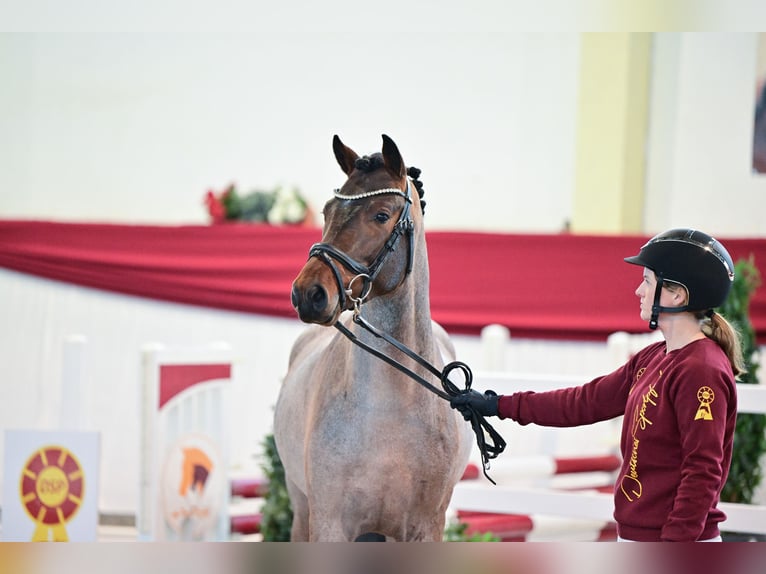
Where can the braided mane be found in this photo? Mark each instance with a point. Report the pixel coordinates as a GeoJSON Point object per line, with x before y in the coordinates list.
{"type": "Point", "coordinates": [369, 163]}
{"type": "Point", "coordinates": [414, 174]}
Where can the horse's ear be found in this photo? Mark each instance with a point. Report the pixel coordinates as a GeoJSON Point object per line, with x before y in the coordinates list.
{"type": "Point", "coordinates": [392, 158]}
{"type": "Point", "coordinates": [345, 155]}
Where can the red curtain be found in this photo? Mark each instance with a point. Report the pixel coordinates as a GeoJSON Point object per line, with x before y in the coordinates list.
{"type": "Point", "coordinates": [544, 286]}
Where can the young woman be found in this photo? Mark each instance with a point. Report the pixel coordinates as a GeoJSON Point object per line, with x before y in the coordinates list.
{"type": "Point", "coordinates": [678, 396]}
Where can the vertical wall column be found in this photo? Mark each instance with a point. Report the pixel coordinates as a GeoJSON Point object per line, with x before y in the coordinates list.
{"type": "Point", "coordinates": [612, 118]}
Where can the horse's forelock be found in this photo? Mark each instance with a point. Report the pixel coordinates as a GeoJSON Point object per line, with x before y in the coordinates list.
{"type": "Point", "coordinates": [369, 163]}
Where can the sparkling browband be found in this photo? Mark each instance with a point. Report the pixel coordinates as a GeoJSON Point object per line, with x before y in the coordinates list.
{"type": "Point", "coordinates": [336, 193]}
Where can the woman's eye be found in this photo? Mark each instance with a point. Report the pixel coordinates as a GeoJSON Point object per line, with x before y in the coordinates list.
{"type": "Point", "coordinates": [382, 217]}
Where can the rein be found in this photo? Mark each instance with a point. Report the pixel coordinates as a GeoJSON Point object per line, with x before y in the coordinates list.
{"type": "Point", "coordinates": [404, 226]}
{"type": "Point", "coordinates": [478, 422]}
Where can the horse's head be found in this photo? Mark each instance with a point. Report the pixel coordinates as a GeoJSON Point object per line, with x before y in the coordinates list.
{"type": "Point", "coordinates": [367, 241]}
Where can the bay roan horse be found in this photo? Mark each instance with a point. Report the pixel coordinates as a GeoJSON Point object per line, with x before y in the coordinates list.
{"type": "Point", "coordinates": [367, 452]}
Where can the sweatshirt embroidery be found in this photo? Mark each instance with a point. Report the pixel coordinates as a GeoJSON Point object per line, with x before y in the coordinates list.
{"type": "Point", "coordinates": [630, 483]}
{"type": "Point", "coordinates": [705, 396]}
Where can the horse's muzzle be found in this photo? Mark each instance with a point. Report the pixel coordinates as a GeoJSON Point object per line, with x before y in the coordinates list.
{"type": "Point", "coordinates": [311, 304]}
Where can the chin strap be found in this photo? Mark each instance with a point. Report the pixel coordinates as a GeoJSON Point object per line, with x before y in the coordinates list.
{"type": "Point", "coordinates": [657, 308]}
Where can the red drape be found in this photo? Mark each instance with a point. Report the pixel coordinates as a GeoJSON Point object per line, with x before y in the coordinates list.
{"type": "Point", "coordinates": [547, 286]}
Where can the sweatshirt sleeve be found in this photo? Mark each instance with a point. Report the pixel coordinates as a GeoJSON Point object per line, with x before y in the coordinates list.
{"type": "Point", "coordinates": [601, 399]}
{"type": "Point", "coordinates": [703, 399]}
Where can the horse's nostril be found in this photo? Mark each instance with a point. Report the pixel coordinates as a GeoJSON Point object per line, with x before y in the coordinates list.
{"type": "Point", "coordinates": [295, 297]}
{"type": "Point", "coordinates": [318, 297]}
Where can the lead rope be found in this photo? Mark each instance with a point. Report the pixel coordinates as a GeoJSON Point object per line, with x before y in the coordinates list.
{"type": "Point", "coordinates": [479, 424]}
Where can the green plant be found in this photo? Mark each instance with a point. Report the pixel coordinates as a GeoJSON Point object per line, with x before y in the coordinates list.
{"type": "Point", "coordinates": [276, 513]}
{"type": "Point", "coordinates": [456, 532]}
{"type": "Point", "coordinates": [745, 473]}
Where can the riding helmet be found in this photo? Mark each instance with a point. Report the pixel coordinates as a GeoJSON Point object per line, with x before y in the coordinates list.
{"type": "Point", "coordinates": [695, 260]}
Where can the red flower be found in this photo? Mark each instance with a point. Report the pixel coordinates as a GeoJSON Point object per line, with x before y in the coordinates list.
{"type": "Point", "coordinates": [215, 206]}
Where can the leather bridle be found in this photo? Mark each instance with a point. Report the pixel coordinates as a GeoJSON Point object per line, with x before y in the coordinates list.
{"type": "Point", "coordinates": [330, 254]}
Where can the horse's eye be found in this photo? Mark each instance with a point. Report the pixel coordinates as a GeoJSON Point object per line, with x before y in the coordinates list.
{"type": "Point", "coordinates": [382, 217]}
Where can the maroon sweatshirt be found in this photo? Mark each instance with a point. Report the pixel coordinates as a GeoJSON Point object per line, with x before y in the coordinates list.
{"type": "Point", "coordinates": [677, 434]}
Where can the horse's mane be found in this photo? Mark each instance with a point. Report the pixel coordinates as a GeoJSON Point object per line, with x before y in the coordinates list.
{"type": "Point", "coordinates": [369, 163]}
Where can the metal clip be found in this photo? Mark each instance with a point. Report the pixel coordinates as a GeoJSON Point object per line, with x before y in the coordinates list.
{"type": "Point", "coordinates": [366, 288]}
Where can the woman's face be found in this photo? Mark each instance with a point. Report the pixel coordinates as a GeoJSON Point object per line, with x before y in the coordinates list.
{"type": "Point", "coordinates": [645, 292]}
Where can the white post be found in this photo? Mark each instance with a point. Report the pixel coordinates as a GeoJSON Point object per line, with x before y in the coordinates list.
{"type": "Point", "coordinates": [618, 347]}
{"type": "Point", "coordinates": [494, 341]}
{"type": "Point", "coordinates": [74, 384]}
{"type": "Point", "coordinates": [149, 381]}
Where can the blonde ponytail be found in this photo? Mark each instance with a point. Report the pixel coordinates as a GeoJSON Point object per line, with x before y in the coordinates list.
{"type": "Point", "coordinates": [716, 327]}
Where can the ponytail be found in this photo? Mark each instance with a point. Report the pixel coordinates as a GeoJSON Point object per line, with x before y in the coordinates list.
{"type": "Point", "coordinates": [716, 327]}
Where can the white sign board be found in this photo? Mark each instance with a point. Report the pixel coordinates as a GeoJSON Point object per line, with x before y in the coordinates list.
{"type": "Point", "coordinates": [51, 486]}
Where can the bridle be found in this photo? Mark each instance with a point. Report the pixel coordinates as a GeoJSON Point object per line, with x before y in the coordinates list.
{"type": "Point", "coordinates": [367, 274]}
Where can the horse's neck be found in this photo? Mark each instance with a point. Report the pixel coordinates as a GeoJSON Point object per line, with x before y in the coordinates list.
{"type": "Point", "coordinates": [405, 314]}
{"type": "Point", "coordinates": [402, 315]}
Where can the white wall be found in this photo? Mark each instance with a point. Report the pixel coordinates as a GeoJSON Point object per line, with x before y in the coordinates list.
{"type": "Point", "coordinates": [137, 127]}
{"type": "Point", "coordinates": [700, 137]}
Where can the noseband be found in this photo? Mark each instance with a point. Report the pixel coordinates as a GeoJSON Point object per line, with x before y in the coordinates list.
{"type": "Point", "coordinates": [367, 273]}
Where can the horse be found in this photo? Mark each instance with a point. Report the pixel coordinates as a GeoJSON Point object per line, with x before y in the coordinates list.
{"type": "Point", "coordinates": [367, 453]}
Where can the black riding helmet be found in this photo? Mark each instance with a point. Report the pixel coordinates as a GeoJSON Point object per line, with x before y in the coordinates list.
{"type": "Point", "coordinates": [693, 259]}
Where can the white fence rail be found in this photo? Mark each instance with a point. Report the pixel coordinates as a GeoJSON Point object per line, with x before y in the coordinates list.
{"type": "Point", "coordinates": [595, 506]}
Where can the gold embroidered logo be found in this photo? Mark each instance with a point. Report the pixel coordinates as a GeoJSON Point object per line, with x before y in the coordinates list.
{"type": "Point", "coordinates": [638, 376]}
{"type": "Point", "coordinates": [705, 396]}
{"type": "Point", "coordinates": [630, 483]}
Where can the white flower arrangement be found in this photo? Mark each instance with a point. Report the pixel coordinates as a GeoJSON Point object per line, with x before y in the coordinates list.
{"type": "Point", "coordinates": [283, 205]}
{"type": "Point", "coordinates": [288, 207]}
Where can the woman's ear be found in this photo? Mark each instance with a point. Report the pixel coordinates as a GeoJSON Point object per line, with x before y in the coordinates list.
{"type": "Point", "coordinates": [680, 296]}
